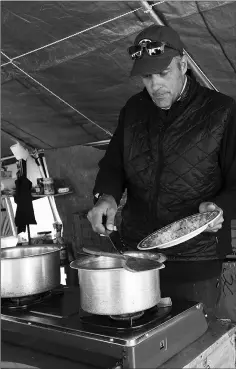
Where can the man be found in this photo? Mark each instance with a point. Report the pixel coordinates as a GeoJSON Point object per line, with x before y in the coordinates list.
{"type": "Point", "coordinates": [174, 151]}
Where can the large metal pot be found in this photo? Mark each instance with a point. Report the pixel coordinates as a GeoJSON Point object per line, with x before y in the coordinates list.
{"type": "Point", "coordinates": [29, 270]}
{"type": "Point", "coordinates": [106, 288]}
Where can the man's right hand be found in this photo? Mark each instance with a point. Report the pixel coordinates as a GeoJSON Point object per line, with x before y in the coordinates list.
{"type": "Point", "coordinates": [105, 208]}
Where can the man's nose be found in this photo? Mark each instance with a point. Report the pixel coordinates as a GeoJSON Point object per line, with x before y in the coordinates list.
{"type": "Point", "coordinates": [155, 81]}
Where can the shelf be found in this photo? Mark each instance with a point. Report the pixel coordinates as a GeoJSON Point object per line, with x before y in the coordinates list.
{"type": "Point", "coordinates": [39, 196]}
{"type": "Point", "coordinates": [231, 257]}
{"type": "Point", "coordinates": [6, 196]}
{"type": "Point", "coordinates": [55, 195]}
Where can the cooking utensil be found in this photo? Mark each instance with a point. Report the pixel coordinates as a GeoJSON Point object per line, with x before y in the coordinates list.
{"type": "Point", "coordinates": [180, 231]}
{"type": "Point", "coordinates": [130, 263]}
{"type": "Point", "coordinates": [29, 270]}
{"type": "Point", "coordinates": [115, 240]}
{"type": "Point", "coordinates": [106, 288]}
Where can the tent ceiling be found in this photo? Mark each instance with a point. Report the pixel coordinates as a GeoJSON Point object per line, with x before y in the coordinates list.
{"type": "Point", "coordinates": [69, 90]}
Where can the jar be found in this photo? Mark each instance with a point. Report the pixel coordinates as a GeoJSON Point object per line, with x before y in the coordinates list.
{"type": "Point", "coordinates": [37, 190]}
{"type": "Point", "coordinates": [48, 186]}
{"type": "Point", "coordinates": [63, 256]}
{"type": "Point", "coordinates": [45, 237]}
{"type": "Point", "coordinates": [40, 185]}
{"type": "Point", "coordinates": [59, 240]}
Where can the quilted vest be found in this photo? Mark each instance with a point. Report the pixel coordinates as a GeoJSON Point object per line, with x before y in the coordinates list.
{"type": "Point", "coordinates": [172, 166]}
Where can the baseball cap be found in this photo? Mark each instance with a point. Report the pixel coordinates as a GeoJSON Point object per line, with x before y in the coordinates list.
{"type": "Point", "coordinates": [155, 64]}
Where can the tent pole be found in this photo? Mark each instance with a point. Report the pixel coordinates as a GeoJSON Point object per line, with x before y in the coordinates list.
{"type": "Point", "coordinates": [29, 235]}
{"type": "Point", "coordinates": [192, 64]}
{"type": "Point", "coordinates": [11, 215]}
{"type": "Point", "coordinates": [51, 199]}
{"type": "Point", "coordinates": [8, 157]}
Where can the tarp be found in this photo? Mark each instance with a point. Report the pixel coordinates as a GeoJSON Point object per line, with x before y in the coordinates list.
{"type": "Point", "coordinates": [71, 73]}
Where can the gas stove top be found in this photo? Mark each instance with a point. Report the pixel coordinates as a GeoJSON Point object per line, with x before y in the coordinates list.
{"type": "Point", "coordinates": [144, 340]}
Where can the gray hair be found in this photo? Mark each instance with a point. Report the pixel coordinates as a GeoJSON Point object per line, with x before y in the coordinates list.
{"type": "Point", "coordinates": [178, 59]}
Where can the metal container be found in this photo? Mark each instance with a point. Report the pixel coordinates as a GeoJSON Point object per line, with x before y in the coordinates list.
{"type": "Point", "coordinates": [106, 288]}
{"type": "Point", "coordinates": [9, 241]}
{"type": "Point", "coordinates": [29, 270]}
{"type": "Point", "coordinates": [48, 186]}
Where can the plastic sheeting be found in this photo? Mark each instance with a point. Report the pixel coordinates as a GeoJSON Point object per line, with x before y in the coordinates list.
{"type": "Point", "coordinates": [90, 71]}
{"type": "Point", "coordinates": [78, 167]}
{"type": "Point", "coordinates": [208, 29]}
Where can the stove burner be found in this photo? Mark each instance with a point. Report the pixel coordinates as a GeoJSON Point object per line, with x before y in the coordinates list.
{"type": "Point", "coordinates": [25, 302]}
{"type": "Point", "coordinates": [127, 317]}
{"type": "Point", "coordinates": [127, 321]}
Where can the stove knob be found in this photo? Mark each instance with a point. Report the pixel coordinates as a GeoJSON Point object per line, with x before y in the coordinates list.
{"type": "Point", "coordinates": [118, 365]}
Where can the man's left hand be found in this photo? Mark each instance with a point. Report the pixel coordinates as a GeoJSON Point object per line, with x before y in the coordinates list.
{"type": "Point", "coordinates": [217, 224]}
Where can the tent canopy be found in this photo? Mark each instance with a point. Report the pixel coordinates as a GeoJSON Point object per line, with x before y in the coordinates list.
{"type": "Point", "coordinates": [65, 67]}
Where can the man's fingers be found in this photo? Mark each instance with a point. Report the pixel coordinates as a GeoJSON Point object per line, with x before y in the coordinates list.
{"type": "Point", "coordinates": [102, 217]}
{"type": "Point", "coordinates": [211, 207]}
{"type": "Point", "coordinates": [216, 225]}
{"type": "Point", "coordinates": [217, 222]}
{"type": "Point", "coordinates": [111, 213]}
{"type": "Point", "coordinates": [206, 206]}
{"type": "Point", "coordinates": [95, 217]}
{"type": "Point", "coordinates": [214, 228]}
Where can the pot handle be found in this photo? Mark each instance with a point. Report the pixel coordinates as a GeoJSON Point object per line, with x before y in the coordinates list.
{"type": "Point", "coordinates": [76, 264]}
{"type": "Point", "coordinates": [97, 252]}
{"type": "Point", "coordinates": [118, 365]}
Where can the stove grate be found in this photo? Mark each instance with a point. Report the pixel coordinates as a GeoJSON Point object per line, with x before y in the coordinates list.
{"type": "Point", "coordinates": [127, 317]}
{"type": "Point", "coordinates": [25, 302]}
{"type": "Point", "coordinates": [129, 321]}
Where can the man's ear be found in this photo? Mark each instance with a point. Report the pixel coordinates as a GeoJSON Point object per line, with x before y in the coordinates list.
{"type": "Point", "coordinates": [184, 64]}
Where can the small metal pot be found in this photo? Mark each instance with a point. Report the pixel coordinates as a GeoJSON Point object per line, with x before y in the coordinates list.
{"type": "Point", "coordinates": [29, 270]}
{"type": "Point", "coordinates": [106, 288]}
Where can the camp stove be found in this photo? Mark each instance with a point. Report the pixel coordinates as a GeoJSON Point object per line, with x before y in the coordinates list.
{"type": "Point", "coordinates": [55, 323]}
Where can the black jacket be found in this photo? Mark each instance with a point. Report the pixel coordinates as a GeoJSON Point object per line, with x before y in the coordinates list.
{"type": "Point", "coordinates": [170, 162]}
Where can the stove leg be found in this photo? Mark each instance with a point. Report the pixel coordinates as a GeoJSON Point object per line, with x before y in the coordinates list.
{"type": "Point", "coordinates": [128, 358]}
{"type": "Point", "coordinates": [71, 276]}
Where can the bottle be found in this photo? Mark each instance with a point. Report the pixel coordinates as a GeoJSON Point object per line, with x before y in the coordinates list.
{"type": "Point", "coordinates": [40, 186]}
{"type": "Point", "coordinates": [48, 186]}
{"type": "Point", "coordinates": [59, 240]}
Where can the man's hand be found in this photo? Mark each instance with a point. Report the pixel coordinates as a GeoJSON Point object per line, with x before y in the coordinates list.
{"type": "Point", "coordinates": [217, 224]}
{"type": "Point", "coordinates": [105, 208]}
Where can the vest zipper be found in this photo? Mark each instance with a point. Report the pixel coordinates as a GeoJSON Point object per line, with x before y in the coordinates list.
{"type": "Point", "coordinates": [157, 177]}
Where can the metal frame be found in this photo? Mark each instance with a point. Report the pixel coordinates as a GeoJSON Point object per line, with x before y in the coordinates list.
{"type": "Point", "coordinates": [35, 154]}
{"type": "Point", "coordinates": [10, 214]}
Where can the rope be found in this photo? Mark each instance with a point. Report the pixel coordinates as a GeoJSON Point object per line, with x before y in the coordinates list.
{"type": "Point", "coordinates": [64, 39]}
{"type": "Point", "coordinates": [79, 33]}
{"type": "Point", "coordinates": [58, 97]}
{"type": "Point", "coordinates": [67, 38]}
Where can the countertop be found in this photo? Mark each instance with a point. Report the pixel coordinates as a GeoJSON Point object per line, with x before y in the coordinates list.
{"type": "Point", "coordinates": [219, 331]}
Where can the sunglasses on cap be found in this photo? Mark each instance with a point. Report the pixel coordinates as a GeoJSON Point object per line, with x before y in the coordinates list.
{"type": "Point", "coordinates": [152, 48]}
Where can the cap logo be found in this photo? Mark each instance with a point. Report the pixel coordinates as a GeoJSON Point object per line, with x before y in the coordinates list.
{"type": "Point", "coordinates": [144, 42]}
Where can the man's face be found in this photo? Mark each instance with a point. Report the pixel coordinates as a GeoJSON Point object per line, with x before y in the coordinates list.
{"type": "Point", "coordinates": [165, 87]}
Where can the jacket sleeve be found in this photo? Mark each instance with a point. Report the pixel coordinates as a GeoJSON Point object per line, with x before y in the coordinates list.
{"type": "Point", "coordinates": [226, 198]}
{"type": "Point", "coordinates": [110, 179]}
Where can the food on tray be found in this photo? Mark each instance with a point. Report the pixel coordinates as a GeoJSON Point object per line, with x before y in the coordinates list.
{"type": "Point", "coordinates": [178, 229]}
